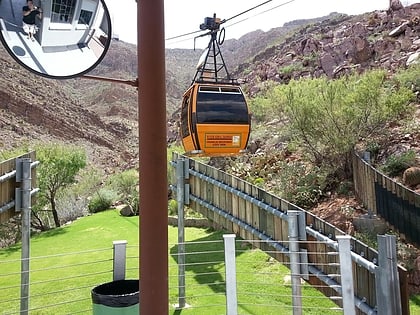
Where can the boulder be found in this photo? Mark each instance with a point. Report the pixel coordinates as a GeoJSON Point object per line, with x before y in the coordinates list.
{"type": "Point", "coordinates": [411, 176]}
{"type": "Point", "coordinates": [362, 50]}
{"type": "Point", "coordinates": [126, 210]}
{"type": "Point", "coordinates": [413, 59]}
{"type": "Point", "coordinates": [399, 30]}
{"type": "Point", "coordinates": [395, 5]}
{"type": "Point", "coordinates": [328, 64]}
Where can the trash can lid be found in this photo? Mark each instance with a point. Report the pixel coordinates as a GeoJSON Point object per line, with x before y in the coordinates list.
{"type": "Point", "coordinates": [121, 293]}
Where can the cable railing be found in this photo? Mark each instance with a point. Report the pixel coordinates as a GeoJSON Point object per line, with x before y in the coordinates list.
{"type": "Point", "coordinates": [263, 284]}
{"type": "Point", "coordinates": [214, 278]}
{"type": "Point", "coordinates": [59, 283]}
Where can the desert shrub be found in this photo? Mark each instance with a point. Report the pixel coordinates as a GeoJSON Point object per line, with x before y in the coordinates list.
{"type": "Point", "coordinates": [134, 203]}
{"type": "Point", "coordinates": [408, 78]}
{"type": "Point", "coordinates": [260, 108]}
{"type": "Point", "coordinates": [259, 181]}
{"type": "Point", "coordinates": [171, 174]}
{"type": "Point", "coordinates": [345, 188]}
{"type": "Point", "coordinates": [10, 232]}
{"type": "Point", "coordinates": [373, 147]}
{"type": "Point", "coordinates": [263, 106]}
{"type": "Point", "coordinates": [71, 207]}
{"type": "Point", "coordinates": [102, 200]}
{"type": "Point", "coordinates": [301, 184]}
{"type": "Point", "coordinates": [173, 207]}
{"type": "Point", "coordinates": [397, 163]}
{"type": "Point", "coordinates": [328, 117]}
{"type": "Point", "coordinates": [73, 200]}
{"type": "Point", "coordinates": [125, 185]}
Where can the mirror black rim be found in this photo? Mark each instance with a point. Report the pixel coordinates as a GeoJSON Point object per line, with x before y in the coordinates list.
{"type": "Point", "coordinates": [71, 76]}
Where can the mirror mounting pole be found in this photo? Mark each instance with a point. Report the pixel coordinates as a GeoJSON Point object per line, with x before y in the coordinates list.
{"type": "Point", "coordinates": [128, 82]}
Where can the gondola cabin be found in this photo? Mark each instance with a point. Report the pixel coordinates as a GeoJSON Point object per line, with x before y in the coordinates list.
{"type": "Point", "coordinates": [214, 120]}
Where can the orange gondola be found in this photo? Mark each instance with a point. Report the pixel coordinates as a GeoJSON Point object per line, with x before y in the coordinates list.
{"type": "Point", "coordinates": [215, 118]}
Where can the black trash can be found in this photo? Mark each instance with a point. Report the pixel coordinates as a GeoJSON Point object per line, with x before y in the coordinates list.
{"type": "Point", "coordinates": [116, 298]}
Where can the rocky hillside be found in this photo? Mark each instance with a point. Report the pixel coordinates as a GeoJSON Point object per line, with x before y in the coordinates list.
{"type": "Point", "coordinates": [35, 109]}
{"type": "Point", "coordinates": [380, 39]}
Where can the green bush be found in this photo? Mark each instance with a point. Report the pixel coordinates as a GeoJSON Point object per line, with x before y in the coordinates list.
{"type": "Point", "coordinates": [102, 200]}
{"type": "Point", "coordinates": [173, 207]}
{"type": "Point", "coordinates": [328, 117]}
{"type": "Point", "coordinates": [302, 185]}
{"type": "Point", "coordinates": [397, 163]}
{"type": "Point", "coordinates": [408, 78]}
{"type": "Point", "coordinates": [125, 185]}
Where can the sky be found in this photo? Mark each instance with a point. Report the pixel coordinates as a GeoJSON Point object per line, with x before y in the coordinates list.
{"type": "Point", "coordinates": [185, 16]}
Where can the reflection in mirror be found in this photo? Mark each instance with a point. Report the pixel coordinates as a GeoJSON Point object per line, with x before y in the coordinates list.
{"type": "Point", "coordinates": [56, 38]}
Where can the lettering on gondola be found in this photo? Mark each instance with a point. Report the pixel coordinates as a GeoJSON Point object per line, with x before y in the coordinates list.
{"type": "Point", "coordinates": [213, 140]}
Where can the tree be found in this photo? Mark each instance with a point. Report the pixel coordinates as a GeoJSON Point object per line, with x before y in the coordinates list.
{"type": "Point", "coordinates": [328, 117]}
{"type": "Point", "coordinates": [58, 168]}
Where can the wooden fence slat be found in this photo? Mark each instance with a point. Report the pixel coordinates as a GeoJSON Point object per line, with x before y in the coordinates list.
{"type": "Point", "coordinates": [248, 210]}
{"type": "Point", "coordinates": [277, 228]}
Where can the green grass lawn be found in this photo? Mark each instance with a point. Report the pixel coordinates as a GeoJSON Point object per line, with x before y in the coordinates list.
{"type": "Point", "coordinates": [80, 257]}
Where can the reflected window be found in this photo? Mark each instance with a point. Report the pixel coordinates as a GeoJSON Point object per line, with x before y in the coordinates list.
{"type": "Point", "coordinates": [85, 17]}
{"type": "Point", "coordinates": [216, 107]}
{"type": "Point", "coordinates": [185, 131]}
{"type": "Point", "coordinates": [104, 25]}
{"type": "Point", "coordinates": [63, 11]}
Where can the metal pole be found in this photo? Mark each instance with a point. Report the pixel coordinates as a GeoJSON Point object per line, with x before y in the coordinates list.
{"type": "Point", "coordinates": [388, 294]}
{"type": "Point", "coordinates": [346, 271]}
{"type": "Point", "coordinates": [119, 261]}
{"type": "Point", "coordinates": [180, 193]}
{"type": "Point", "coordinates": [230, 263]}
{"type": "Point", "coordinates": [294, 261]}
{"type": "Point", "coordinates": [24, 164]}
{"type": "Point", "coordinates": [153, 203]}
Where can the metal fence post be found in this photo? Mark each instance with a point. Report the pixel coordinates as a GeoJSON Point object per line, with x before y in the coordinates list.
{"type": "Point", "coordinates": [120, 254]}
{"type": "Point", "coordinates": [180, 194]}
{"type": "Point", "coordinates": [23, 175]}
{"type": "Point", "coordinates": [388, 294]}
{"type": "Point", "coordinates": [293, 224]}
{"type": "Point", "coordinates": [230, 263]}
{"type": "Point", "coordinates": [346, 271]}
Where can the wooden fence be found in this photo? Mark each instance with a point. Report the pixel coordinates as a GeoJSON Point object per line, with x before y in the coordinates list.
{"type": "Point", "coordinates": [390, 200]}
{"type": "Point", "coordinates": [8, 186]}
{"type": "Point", "coordinates": [252, 213]}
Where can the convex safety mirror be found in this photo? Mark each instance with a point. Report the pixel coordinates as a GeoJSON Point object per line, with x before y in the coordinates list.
{"type": "Point", "coordinates": [58, 39]}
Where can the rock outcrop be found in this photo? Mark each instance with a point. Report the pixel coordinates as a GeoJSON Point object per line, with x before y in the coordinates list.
{"type": "Point", "coordinates": [385, 39]}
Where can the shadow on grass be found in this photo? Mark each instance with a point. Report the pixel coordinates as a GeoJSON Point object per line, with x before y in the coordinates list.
{"type": "Point", "coordinates": [10, 250]}
{"type": "Point", "coordinates": [205, 258]}
{"type": "Point", "coordinates": [133, 222]}
{"type": "Point", "coordinates": [17, 247]}
{"type": "Point", "coordinates": [52, 232]}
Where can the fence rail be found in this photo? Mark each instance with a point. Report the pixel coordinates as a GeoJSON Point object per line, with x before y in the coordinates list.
{"type": "Point", "coordinates": [381, 195]}
{"type": "Point", "coordinates": [8, 185]}
{"type": "Point", "coordinates": [253, 213]}
{"type": "Point", "coordinates": [223, 275]}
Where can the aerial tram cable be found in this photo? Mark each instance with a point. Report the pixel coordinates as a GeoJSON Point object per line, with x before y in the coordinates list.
{"type": "Point", "coordinates": [259, 13]}
{"type": "Point", "coordinates": [233, 17]}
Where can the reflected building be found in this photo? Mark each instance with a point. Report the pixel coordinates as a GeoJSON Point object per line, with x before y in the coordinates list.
{"type": "Point", "coordinates": [68, 30]}
{"type": "Point", "coordinates": [72, 22]}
